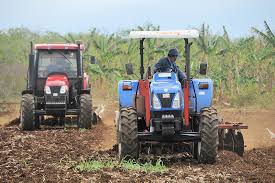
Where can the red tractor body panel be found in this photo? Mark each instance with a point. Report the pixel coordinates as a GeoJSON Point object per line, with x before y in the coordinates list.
{"type": "Point", "coordinates": [57, 80]}
{"type": "Point", "coordinates": [186, 103]}
{"type": "Point", "coordinates": [145, 91]}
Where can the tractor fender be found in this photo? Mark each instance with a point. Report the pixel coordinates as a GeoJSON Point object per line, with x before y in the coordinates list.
{"type": "Point", "coordinates": [26, 92]}
{"type": "Point", "coordinates": [87, 91]}
{"type": "Point", "coordinates": [127, 94]}
{"type": "Point", "coordinates": [201, 94]}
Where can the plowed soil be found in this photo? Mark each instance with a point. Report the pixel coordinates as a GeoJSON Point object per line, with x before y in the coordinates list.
{"type": "Point", "coordinates": [50, 155]}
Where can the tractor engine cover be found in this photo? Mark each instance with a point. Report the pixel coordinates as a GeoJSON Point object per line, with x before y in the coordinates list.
{"type": "Point", "coordinates": [56, 93]}
{"type": "Point", "coordinates": [166, 103]}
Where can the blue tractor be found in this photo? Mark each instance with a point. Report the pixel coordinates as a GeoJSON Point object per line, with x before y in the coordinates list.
{"type": "Point", "coordinates": [159, 109]}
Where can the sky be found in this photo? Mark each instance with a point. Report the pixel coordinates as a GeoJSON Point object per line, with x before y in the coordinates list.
{"type": "Point", "coordinates": [110, 16]}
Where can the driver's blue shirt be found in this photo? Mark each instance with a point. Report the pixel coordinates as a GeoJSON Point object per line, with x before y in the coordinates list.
{"type": "Point", "coordinates": [164, 63]}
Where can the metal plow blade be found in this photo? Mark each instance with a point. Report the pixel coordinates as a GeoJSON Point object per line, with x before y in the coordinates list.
{"type": "Point", "coordinates": [231, 138]}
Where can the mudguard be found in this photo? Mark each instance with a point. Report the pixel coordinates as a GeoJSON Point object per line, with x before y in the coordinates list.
{"type": "Point", "coordinates": [87, 91]}
{"type": "Point", "coordinates": [200, 98]}
{"type": "Point", "coordinates": [27, 92]}
{"type": "Point", "coordinates": [127, 97]}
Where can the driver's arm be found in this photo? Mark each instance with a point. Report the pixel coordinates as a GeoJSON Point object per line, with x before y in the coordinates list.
{"type": "Point", "coordinates": [157, 66]}
{"type": "Point", "coordinates": [181, 75]}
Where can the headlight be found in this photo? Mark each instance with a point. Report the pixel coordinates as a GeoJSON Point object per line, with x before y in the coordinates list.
{"type": "Point", "coordinates": [63, 89]}
{"type": "Point", "coordinates": [176, 102]}
{"type": "Point", "coordinates": [47, 90]}
{"type": "Point", "coordinates": [156, 103]}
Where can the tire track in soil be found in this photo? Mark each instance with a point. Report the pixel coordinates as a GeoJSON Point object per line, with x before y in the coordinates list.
{"type": "Point", "coordinates": [107, 127]}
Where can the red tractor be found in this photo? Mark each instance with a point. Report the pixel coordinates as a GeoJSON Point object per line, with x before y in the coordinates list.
{"type": "Point", "coordinates": [57, 87]}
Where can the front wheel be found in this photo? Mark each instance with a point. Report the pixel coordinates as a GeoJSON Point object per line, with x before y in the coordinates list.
{"type": "Point", "coordinates": [207, 149]}
{"type": "Point", "coordinates": [27, 118]}
{"type": "Point", "coordinates": [128, 134]}
{"type": "Point", "coordinates": [85, 116]}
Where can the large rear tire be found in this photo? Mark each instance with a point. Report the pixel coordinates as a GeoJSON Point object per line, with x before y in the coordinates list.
{"type": "Point", "coordinates": [27, 118]}
{"type": "Point", "coordinates": [85, 116]}
{"type": "Point", "coordinates": [208, 147]}
{"type": "Point", "coordinates": [128, 134]}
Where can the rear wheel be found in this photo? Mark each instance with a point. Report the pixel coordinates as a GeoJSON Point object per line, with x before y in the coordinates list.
{"type": "Point", "coordinates": [128, 134]}
{"type": "Point", "coordinates": [207, 149]}
{"type": "Point", "coordinates": [85, 116]}
{"type": "Point", "coordinates": [27, 118]}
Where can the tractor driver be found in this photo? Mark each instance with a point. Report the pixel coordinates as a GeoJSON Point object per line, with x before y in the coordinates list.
{"type": "Point", "coordinates": [169, 62]}
{"type": "Point", "coordinates": [56, 65]}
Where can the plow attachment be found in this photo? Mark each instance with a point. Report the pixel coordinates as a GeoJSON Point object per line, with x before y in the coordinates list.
{"type": "Point", "coordinates": [231, 138]}
{"type": "Point", "coordinates": [71, 120]}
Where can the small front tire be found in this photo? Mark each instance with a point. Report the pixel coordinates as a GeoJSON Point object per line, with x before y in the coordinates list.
{"type": "Point", "coordinates": [27, 118]}
{"type": "Point", "coordinates": [85, 116]}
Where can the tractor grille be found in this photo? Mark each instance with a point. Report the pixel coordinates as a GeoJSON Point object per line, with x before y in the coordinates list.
{"type": "Point", "coordinates": [55, 89]}
{"type": "Point", "coordinates": [166, 102]}
{"type": "Point", "coordinates": [159, 114]}
{"type": "Point", "coordinates": [61, 99]}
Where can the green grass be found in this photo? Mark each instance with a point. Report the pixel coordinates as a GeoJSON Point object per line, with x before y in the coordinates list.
{"type": "Point", "coordinates": [65, 130]}
{"type": "Point", "coordinates": [82, 130]}
{"type": "Point", "coordinates": [131, 165]}
{"type": "Point", "coordinates": [249, 96]}
{"type": "Point", "coordinates": [147, 167]}
{"type": "Point", "coordinates": [89, 166]}
{"type": "Point", "coordinates": [110, 164]}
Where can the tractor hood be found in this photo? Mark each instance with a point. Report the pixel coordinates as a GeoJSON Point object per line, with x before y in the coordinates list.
{"type": "Point", "coordinates": [165, 87]}
{"type": "Point", "coordinates": [165, 83]}
{"type": "Point", "coordinates": [57, 80]}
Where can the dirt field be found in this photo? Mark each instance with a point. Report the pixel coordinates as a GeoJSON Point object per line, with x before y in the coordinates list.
{"type": "Point", "coordinates": [50, 155]}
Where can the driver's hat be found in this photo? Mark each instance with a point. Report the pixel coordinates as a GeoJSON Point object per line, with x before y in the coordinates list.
{"type": "Point", "coordinates": [173, 52]}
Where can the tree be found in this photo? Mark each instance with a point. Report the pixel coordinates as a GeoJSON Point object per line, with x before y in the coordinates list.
{"type": "Point", "coordinates": [206, 43]}
{"type": "Point", "coordinates": [268, 52]}
{"type": "Point", "coordinates": [268, 36]}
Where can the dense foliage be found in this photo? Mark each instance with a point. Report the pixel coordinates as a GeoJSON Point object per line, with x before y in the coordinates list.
{"type": "Point", "coordinates": [243, 69]}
